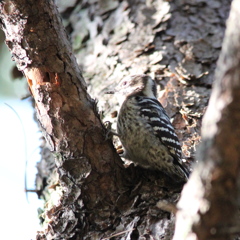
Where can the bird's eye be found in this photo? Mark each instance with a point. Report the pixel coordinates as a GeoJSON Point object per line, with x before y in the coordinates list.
{"type": "Point", "coordinates": [124, 83]}
{"type": "Point", "coordinates": [138, 98]}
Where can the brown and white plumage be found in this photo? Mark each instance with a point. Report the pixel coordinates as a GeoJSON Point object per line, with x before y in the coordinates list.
{"type": "Point", "coordinates": [145, 130]}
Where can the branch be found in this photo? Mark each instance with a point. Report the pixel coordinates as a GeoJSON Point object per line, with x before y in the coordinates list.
{"type": "Point", "coordinates": [67, 114]}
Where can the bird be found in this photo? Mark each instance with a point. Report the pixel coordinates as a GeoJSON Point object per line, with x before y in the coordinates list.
{"type": "Point", "coordinates": [145, 130]}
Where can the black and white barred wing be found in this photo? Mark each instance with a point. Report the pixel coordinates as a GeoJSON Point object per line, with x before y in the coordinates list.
{"type": "Point", "coordinates": [157, 118]}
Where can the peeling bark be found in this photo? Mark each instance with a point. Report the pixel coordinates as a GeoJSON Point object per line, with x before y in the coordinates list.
{"type": "Point", "coordinates": [210, 200]}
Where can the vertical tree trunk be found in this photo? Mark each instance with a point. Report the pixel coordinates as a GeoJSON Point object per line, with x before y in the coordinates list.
{"type": "Point", "coordinates": [210, 201]}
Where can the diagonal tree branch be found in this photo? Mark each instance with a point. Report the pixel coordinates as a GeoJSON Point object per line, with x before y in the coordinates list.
{"type": "Point", "coordinates": [67, 114]}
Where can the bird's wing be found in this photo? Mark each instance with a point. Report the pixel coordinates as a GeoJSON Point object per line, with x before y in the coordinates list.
{"type": "Point", "coordinates": [157, 118]}
{"type": "Point", "coordinates": [155, 115]}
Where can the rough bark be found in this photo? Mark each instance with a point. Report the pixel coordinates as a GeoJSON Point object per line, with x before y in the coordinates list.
{"type": "Point", "coordinates": [176, 41]}
{"type": "Point", "coordinates": [68, 116]}
{"type": "Point", "coordinates": [210, 200]}
{"type": "Point", "coordinates": [95, 196]}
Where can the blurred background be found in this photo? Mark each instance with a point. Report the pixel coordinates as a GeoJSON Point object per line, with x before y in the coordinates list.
{"type": "Point", "coordinates": [19, 153]}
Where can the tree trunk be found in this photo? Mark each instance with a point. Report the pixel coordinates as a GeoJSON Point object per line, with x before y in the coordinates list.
{"type": "Point", "coordinates": [88, 166]}
{"type": "Point", "coordinates": [178, 42]}
{"type": "Point", "coordinates": [210, 201]}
